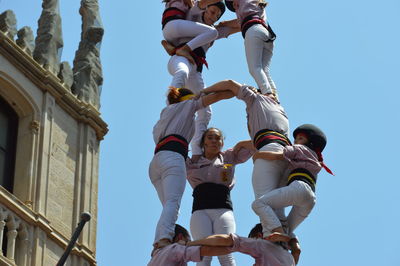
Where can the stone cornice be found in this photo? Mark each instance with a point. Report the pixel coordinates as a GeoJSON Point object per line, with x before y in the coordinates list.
{"type": "Point", "coordinates": [47, 81]}
{"type": "Point", "coordinates": [37, 220]}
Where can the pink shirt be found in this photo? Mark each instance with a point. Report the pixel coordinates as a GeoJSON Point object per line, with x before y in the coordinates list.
{"type": "Point", "coordinates": [247, 8]}
{"type": "Point", "coordinates": [177, 4]}
{"type": "Point", "coordinates": [177, 118]}
{"type": "Point", "coordinates": [221, 170]}
{"type": "Point", "coordinates": [263, 112]}
{"type": "Point", "coordinates": [300, 156]}
{"type": "Point", "coordinates": [263, 251]}
{"type": "Point", "coordinates": [175, 255]}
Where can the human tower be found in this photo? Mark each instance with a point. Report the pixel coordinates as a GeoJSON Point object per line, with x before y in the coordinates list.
{"type": "Point", "coordinates": [284, 174]}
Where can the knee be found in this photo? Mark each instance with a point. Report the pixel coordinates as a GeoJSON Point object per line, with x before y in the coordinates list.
{"type": "Point", "coordinates": [214, 33]}
{"type": "Point", "coordinates": [256, 205]}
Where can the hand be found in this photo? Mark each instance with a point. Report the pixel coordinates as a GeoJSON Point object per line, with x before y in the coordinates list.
{"type": "Point", "coordinates": [295, 249]}
{"type": "Point", "coordinates": [195, 158]}
{"type": "Point", "coordinates": [256, 156]}
{"type": "Point", "coordinates": [189, 3]}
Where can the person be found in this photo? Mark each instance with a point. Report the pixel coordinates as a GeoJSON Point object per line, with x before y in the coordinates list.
{"type": "Point", "coordinates": [175, 26]}
{"type": "Point", "coordinates": [258, 40]}
{"type": "Point", "coordinates": [167, 170]}
{"type": "Point", "coordinates": [190, 76]}
{"type": "Point", "coordinates": [265, 253]}
{"type": "Point", "coordinates": [305, 161]}
{"type": "Point", "coordinates": [212, 178]}
{"type": "Point", "coordinates": [178, 253]}
{"type": "Point", "coordinates": [268, 127]}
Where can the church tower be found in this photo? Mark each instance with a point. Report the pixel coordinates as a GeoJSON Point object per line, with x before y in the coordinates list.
{"type": "Point", "coordinates": [50, 133]}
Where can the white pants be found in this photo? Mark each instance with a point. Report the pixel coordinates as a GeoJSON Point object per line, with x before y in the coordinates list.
{"type": "Point", "coordinates": [208, 222]}
{"type": "Point", "coordinates": [202, 34]}
{"type": "Point", "coordinates": [186, 75]}
{"type": "Point", "coordinates": [298, 194]}
{"type": "Point", "coordinates": [167, 172]}
{"type": "Point", "coordinates": [268, 174]}
{"type": "Point", "coordinates": [258, 55]}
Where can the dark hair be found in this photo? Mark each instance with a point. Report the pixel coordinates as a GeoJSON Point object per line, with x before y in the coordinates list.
{"type": "Point", "coordinates": [221, 7]}
{"type": "Point", "coordinates": [203, 137]}
{"type": "Point", "coordinates": [181, 230]}
{"type": "Point", "coordinates": [175, 93]}
{"type": "Point", "coordinates": [255, 231]}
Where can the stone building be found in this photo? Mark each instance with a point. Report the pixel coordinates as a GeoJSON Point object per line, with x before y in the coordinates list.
{"type": "Point", "coordinates": [50, 133]}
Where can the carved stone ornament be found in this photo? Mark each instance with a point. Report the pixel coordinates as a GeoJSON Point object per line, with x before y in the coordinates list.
{"type": "Point", "coordinates": [88, 76]}
{"type": "Point", "coordinates": [8, 23]}
{"type": "Point", "coordinates": [25, 40]}
{"type": "Point", "coordinates": [66, 75]}
{"type": "Point", "coordinates": [49, 41]}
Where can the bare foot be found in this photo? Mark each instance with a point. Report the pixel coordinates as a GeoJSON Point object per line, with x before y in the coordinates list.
{"type": "Point", "coordinates": [168, 47]}
{"type": "Point", "coordinates": [277, 237]}
{"type": "Point", "coordinates": [185, 52]}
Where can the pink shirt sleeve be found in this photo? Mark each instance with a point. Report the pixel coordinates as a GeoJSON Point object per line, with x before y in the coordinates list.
{"type": "Point", "coordinates": [246, 245]}
{"type": "Point", "coordinates": [185, 254]}
{"type": "Point", "coordinates": [246, 94]}
{"type": "Point", "coordinates": [300, 156]}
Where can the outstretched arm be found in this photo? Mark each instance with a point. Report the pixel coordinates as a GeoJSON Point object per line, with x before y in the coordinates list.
{"type": "Point", "coordinates": [247, 144]}
{"type": "Point", "coordinates": [222, 240]}
{"type": "Point", "coordinates": [214, 251]}
{"type": "Point", "coordinates": [225, 85]}
{"type": "Point", "coordinates": [268, 155]}
{"type": "Point", "coordinates": [215, 97]}
{"type": "Point", "coordinates": [233, 23]}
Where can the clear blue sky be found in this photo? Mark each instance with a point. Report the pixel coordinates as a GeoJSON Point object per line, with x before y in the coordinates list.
{"type": "Point", "coordinates": [336, 64]}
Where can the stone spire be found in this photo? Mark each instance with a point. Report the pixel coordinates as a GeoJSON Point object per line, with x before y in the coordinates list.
{"type": "Point", "coordinates": [49, 41]}
{"type": "Point", "coordinates": [88, 77]}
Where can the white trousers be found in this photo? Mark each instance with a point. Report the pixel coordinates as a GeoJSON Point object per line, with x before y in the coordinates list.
{"type": "Point", "coordinates": [258, 56]}
{"type": "Point", "coordinates": [202, 34]}
{"type": "Point", "coordinates": [268, 175]}
{"type": "Point", "coordinates": [208, 222]}
{"type": "Point", "coordinates": [298, 194]}
{"type": "Point", "coordinates": [167, 172]}
{"type": "Point", "coordinates": [185, 75]}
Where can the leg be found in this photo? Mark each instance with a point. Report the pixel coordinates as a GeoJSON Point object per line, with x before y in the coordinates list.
{"type": "Point", "coordinates": [266, 62]}
{"type": "Point", "coordinates": [179, 67]}
{"type": "Point", "coordinates": [200, 227]}
{"type": "Point", "coordinates": [173, 181]}
{"type": "Point", "coordinates": [254, 46]}
{"type": "Point", "coordinates": [201, 33]}
{"type": "Point", "coordinates": [224, 223]}
{"type": "Point", "coordinates": [303, 207]}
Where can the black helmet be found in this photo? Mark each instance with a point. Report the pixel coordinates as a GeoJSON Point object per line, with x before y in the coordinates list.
{"type": "Point", "coordinates": [229, 5]}
{"type": "Point", "coordinates": [221, 6]}
{"type": "Point", "coordinates": [316, 138]}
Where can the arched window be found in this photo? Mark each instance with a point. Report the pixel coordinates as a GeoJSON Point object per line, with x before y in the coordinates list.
{"type": "Point", "coordinates": [8, 141]}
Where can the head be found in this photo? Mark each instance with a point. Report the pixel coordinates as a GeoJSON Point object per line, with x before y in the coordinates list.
{"type": "Point", "coordinates": [176, 95]}
{"type": "Point", "coordinates": [212, 141]}
{"type": "Point", "coordinates": [213, 13]}
{"type": "Point", "coordinates": [230, 5]}
{"type": "Point", "coordinates": [311, 136]}
{"type": "Point", "coordinates": [256, 231]}
{"type": "Point", "coordinates": [181, 236]}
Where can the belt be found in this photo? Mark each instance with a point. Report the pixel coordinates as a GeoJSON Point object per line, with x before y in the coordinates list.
{"type": "Point", "coordinates": [172, 13]}
{"type": "Point", "coordinates": [252, 20]}
{"type": "Point", "coordinates": [267, 136]}
{"type": "Point", "coordinates": [174, 143]}
{"type": "Point", "coordinates": [211, 196]}
{"type": "Point", "coordinates": [304, 175]}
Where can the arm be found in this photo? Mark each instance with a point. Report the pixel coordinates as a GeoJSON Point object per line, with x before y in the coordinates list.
{"type": "Point", "coordinates": [268, 155]}
{"type": "Point", "coordinates": [204, 3]}
{"type": "Point", "coordinates": [221, 240]}
{"type": "Point", "coordinates": [215, 97]}
{"type": "Point", "coordinates": [247, 144]}
{"type": "Point", "coordinates": [233, 23]}
{"type": "Point", "coordinates": [295, 249]}
{"type": "Point", "coordinates": [214, 251]}
{"type": "Point", "coordinates": [189, 3]}
{"type": "Point", "coordinates": [225, 85]}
